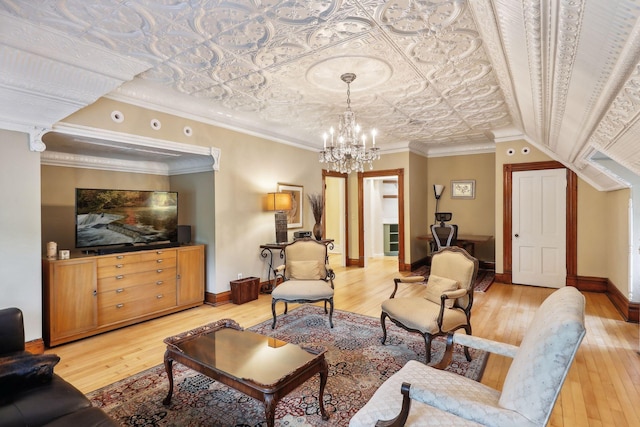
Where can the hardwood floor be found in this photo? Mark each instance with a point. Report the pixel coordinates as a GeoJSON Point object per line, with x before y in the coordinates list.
{"type": "Point", "coordinates": [602, 387]}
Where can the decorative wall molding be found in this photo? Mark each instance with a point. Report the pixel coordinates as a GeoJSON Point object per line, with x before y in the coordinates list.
{"type": "Point", "coordinates": [180, 159]}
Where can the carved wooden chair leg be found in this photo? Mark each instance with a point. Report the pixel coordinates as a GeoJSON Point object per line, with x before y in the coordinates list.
{"type": "Point", "coordinates": [401, 419]}
{"type": "Point", "coordinates": [427, 343]}
{"type": "Point", "coordinates": [273, 312]}
{"type": "Point", "coordinates": [466, 349]}
{"type": "Point", "coordinates": [448, 353]}
{"type": "Point", "coordinates": [383, 316]}
{"type": "Point", "coordinates": [330, 311]}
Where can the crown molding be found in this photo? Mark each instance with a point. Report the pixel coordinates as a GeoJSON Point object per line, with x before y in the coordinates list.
{"type": "Point", "coordinates": [203, 158]}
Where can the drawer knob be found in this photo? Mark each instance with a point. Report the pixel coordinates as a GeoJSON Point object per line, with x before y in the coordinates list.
{"type": "Point", "coordinates": [119, 305]}
{"type": "Point", "coordinates": [120, 257]}
{"type": "Point", "coordinates": [159, 252]}
{"type": "Point", "coordinates": [159, 282]}
{"type": "Point", "coordinates": [120, 276]}
{"type": "Point", "coordinates": [119, 266]}
{"type": "Point", "coordinates": [159, 261]}
{"type": "Point", "coordinates": [119, 290]}
{"type": "Point", "coordinates": [159, 296]}
{"type": "Point", "coordinates": [159, 270]}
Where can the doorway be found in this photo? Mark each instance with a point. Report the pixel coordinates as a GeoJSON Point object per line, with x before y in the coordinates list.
{"type": "Point", "coordinates": [539, 235]}
{"type": "Point", "coordinates": [571, 218]}
{"type": "Point", "coordinates": [362, 218]}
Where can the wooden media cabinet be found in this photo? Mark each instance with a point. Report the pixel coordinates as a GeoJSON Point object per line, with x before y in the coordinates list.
{"type": "Point", "coordinates": [87, 295]}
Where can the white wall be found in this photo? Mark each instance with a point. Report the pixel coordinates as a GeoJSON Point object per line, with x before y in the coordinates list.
{"type": "Point", "coordinates": [20, 264]}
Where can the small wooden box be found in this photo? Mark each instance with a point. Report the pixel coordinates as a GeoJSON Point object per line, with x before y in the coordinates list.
{"type": "Point", "coordinates": [245, 290]}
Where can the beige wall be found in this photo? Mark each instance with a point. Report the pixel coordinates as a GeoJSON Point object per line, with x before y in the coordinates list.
{"type": "Point", "coordinates": [332, 216]}
{"type": "Point", "coordinates": [418, 182]}
{"type": "Point", "coordinates": [595, 223]}
{"type": "Point", "coordinates": [592, 216]}
{"type": "Point", "coordinates": [473, 216]}
{"type": "Point", "coordinates": [250, 167]}
{"type": "Point", "coordinates": [58, 196]}
{"type": "Point", "coordinates": [20, 260]}
{"type": "Point", "coordinates": [615, 235]}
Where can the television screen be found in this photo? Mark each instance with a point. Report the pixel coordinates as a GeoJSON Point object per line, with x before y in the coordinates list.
{"type": "Point", "coordinates": [125, 217]}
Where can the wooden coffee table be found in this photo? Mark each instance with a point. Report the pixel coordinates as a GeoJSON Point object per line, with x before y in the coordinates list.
{"type": "Point", "coordinates": [264, 368]}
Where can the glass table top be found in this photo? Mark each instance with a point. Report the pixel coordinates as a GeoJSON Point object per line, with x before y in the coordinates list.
{"type": "Point", "coordinates": [246, 354]}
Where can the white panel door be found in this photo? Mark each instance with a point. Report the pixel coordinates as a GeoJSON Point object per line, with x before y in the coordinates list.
{"type": "Point", "coordinates": [539, 228]}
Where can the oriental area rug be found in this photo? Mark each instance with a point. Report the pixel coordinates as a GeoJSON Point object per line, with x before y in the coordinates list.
{"type": "Point", "coordinates": [358, 365]}
{"type": "Point", "coordinates": [484, 279]}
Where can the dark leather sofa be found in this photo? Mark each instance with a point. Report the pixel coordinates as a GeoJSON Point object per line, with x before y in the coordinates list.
{"type": "Point", "coordinates": [30, 393]}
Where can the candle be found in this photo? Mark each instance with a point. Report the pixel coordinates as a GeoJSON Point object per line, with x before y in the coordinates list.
{"type": "Point", "coordinates": [364, 140]}
{"type": "Point", "coordinates": [324, 137]}
{"type": "Point", "coordinates": [373, 135]}
{"type": "Point", "coordinates": [331, 130]}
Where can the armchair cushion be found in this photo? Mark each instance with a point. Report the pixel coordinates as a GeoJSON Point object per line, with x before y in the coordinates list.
{"type": "Point", "coordinates": [422, 315]}
{"type": "Point", "coordinates": [305, 270]}
{"type": "Point", "coordinates": [437, 285]}
{"type": "Point", "coordinates": [302, 290]}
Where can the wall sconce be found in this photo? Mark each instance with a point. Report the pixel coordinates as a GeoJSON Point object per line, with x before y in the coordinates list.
{"type": "Point", "coordinates": [280, 202]}
{"type": "Point", "coordinates": [437, 191]}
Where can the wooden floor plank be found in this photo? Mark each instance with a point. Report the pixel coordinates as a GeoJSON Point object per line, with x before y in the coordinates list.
{"type": "Point", "coordinates": [602, 387]}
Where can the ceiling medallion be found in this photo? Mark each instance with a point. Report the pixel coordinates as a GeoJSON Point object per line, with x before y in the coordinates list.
{"type": "Point", "coordinates": [347, 151]}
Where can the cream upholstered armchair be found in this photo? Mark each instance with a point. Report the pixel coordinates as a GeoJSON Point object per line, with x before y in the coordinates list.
{"type": "Point", "coordinates": [306, 277]}
{"type": "Point", "coordinates": [421, 395]}
{"type": "Point", "coordinates": [445, 304]}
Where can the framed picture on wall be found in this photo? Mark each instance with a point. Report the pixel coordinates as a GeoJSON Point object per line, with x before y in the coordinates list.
{"type": "Point", "coordinates": [464, 189]}
{"type": "Point", "coordinates": [294, 216]}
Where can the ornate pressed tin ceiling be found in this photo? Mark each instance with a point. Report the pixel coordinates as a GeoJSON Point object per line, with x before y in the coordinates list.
{"type": "Point", "coordinates": [436, 77]}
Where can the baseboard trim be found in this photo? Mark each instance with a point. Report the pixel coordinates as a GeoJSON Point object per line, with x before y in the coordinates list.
{"type": "Point", "coordinates": [630, 311]}
{"type": "Point", "coordinates": [352, 262]}
{"type": "Point", "coordinates": [217, 299]}
{"type": "Point", "coordinates": [35, 346]}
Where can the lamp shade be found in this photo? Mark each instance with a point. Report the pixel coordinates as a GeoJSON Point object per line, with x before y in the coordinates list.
{"type": "Point", "coordinates": [279, 201]}
{"type": "Point", "coordinates": [437, 190]}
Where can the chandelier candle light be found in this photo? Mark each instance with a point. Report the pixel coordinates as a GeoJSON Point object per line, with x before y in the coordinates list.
{"type": "Point", "coordinates": [347, 151]}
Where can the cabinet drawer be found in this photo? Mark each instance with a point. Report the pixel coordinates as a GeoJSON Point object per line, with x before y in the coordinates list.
{"type": "Point", "coordinates": [135, 267]}
{"type": "Point", "coordinates": [135, 301]}
{"type": "Point", "coordinates": [106, 260]}
{"type": "Point", "coordinates": [126, 280]}
{"type": "Point", "coordinates": [158, 254]}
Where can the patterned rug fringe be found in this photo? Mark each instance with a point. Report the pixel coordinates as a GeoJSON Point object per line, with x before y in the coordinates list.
{"type": "Point", "coordinates": [358, 364]}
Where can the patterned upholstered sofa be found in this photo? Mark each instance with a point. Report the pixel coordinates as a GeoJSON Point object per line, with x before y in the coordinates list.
{"type": "Point", "coordinates": [421, 395]}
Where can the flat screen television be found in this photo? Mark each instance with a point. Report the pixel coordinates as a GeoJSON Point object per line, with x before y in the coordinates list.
{"type": "Point", "coordinates": [125, 217]}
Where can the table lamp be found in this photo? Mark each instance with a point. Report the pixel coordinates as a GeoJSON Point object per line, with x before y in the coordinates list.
{"type": "Point", "coordinates": [280, 202]}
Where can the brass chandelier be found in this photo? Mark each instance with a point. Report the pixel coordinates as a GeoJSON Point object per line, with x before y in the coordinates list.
{"type": "Point", "coordinates": [347, 150]}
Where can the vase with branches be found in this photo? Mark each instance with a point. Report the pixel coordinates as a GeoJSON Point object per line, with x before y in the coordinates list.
{"type": "Point", "coordinates": [316, 203]}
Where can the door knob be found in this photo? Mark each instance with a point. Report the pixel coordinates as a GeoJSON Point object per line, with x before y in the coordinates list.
{"type": "Point", "coordinates": [517, 235]}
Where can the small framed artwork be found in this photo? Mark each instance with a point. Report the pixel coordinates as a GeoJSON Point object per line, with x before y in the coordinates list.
{"type": "Point", "coordinates": [464, 189]}
{"type": "Point", "coordinates": [294, 216]}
